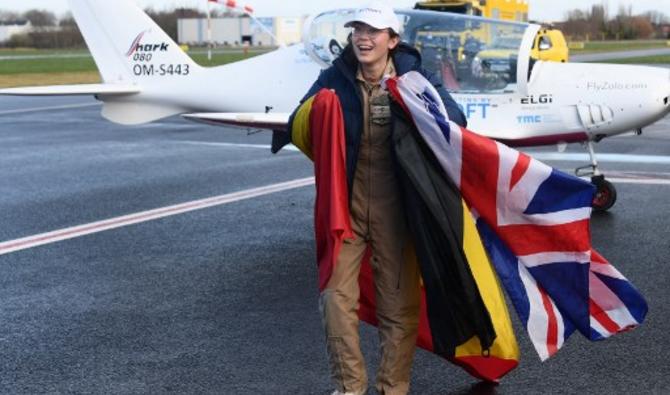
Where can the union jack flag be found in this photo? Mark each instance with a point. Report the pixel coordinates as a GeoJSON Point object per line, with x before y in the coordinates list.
{"type": "Point", "coordinates": [534, 222]}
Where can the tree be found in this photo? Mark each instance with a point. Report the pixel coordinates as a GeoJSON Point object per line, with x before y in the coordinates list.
{"type": "Point", "coordinates": [641, 27]}
{"type": "Point", "coordinates": [596, 22]}
{"type": "Point", "coordinates": [68, 21]}
{"type": "Point", "coordinates": [657, 18]}
{"type": "Point", "coordinates": [40, 18]}
{"type": "Point", "coordinates": [167, 20]}
{"type": "Point", "coordinates": [599, 19]}
{"type": "Point", "coordinates": [9, 16]}
{"type": "Point", "coordinates": [70, 36]}
{"type": "Point", "coordinates": [19, 41]}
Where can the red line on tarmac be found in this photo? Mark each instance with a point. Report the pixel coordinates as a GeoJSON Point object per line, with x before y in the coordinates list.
{"type": "Point", "coordinates": [144, 216]}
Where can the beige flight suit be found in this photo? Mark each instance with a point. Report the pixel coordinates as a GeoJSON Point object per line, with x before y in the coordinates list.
{"type": "Point", "coordinates": [378, 221]}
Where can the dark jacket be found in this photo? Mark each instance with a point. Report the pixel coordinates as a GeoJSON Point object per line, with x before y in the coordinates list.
{"type": "Point", "coordinates": [341, 77]}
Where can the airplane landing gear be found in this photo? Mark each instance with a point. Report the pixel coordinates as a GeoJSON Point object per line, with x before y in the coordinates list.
{"type": "Point", "coordinates": [605, 196]}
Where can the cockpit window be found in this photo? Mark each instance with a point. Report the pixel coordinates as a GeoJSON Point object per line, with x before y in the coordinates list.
{"type": "Point", "coordinates": [326, 36]}
{"type": "Point", "coordinates": [468, 54]}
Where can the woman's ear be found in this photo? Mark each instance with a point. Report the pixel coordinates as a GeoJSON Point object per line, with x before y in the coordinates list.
{"type": "Point", "coordinates": [393, 42]}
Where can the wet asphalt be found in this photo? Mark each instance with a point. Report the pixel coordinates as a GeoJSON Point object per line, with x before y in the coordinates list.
{"type": "Point", "coordinates": [224, 299]}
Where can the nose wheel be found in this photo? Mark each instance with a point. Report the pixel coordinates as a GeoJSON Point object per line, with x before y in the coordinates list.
{"type": "Point", "coordinates": [605, 196]}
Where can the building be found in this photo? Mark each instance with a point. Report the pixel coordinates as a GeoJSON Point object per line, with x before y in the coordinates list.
{"type": "Point", "coordinates": [10, 28]}
{"type": "Point", "coordinates": [239, 31]}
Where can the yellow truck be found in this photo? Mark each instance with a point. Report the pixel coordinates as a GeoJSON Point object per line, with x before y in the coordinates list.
{"type": "Point", "coordinates": [549, 44]}
{"type": "Point", "coordinates": [506, 10]}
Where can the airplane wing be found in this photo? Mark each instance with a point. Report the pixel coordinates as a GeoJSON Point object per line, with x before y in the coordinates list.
{"type": "Point", "coordinates": [249, 120]}
{"type": "Point", "coordinates": [72, 90]}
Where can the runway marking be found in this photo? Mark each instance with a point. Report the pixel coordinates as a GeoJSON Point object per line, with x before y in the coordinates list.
{"type": "Point", "coordinates": [618, 180]}
{"type": "Point", "coordinates": [618, 158]}
{"type": "Point", "coordinates": [558, 156]}
{"type": "Point", "coordinates": [289, 147]}
{"type": "Point", "coordinates": [37, 109]}
{"type": "Point", "coordinates": [150, 215]}
{"type": "Point", "coordinates": [637, 177]}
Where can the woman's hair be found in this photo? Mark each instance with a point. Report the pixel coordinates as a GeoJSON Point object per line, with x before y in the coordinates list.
{"type": "Point", "coordinates": [393, 34]}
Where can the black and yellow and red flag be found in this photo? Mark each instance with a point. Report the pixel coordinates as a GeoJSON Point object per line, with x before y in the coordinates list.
{"type": "Point", "coordinates": [464, 317]}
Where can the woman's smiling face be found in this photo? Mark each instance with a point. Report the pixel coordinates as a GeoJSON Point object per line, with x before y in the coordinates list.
{"type": "Point", "coordinates": [372, 45]}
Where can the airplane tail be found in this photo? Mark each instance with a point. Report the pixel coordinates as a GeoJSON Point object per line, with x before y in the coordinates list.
{"type": "Point", "coordinates": [136, 60]}
{"type": "Point", "coordinates": [127, 45]}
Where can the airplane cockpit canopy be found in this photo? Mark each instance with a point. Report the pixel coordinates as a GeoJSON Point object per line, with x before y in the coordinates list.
{"type": "Point", "coordinates": [468, 54]}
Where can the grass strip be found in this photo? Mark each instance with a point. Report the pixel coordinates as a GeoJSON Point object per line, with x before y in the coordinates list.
{"type": "Point", "coordinates": [658, 59]}
{"type": "Point", "coordinates": [46, 65]}
{"type": "Point", "coordinates": [85, 64]}
{"type": "Point", "coordinates": [56, 71]}
{"type": "Point", "coordinates": [39, 79]}
{"type": "Point", "coordinates": [615, 46]}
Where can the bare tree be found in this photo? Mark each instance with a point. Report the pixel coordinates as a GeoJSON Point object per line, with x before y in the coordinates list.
{"type": "Point", "coordinates": [167, 20]}
{"type": "Point", "coordinates": [9, 16]}
{"type": "Point", "coordinates": [69, 31]}
{"type": "Point", "coordinates": [40, 18]}
{"type": "Point", "coordinates": [657, 18]}
{"type": "Point", "coordinates": [599, 18]}
{"type": "Point", "coordinates": [597, 23]}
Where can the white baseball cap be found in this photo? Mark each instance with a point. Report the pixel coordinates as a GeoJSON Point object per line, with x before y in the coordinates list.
{"type": "Point", "coordinates": [378, 15]}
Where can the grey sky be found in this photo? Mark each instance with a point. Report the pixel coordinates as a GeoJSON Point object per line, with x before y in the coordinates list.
{"type": "Point", "coordinates": [543, 10]}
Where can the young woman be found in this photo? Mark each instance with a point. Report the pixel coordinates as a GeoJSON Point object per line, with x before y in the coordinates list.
{"type": "Point", "coordinates": [374, 52]}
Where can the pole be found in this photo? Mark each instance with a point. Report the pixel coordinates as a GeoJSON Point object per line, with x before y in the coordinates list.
{"type": "Point", "coordinates": [232, 4]}
{"type": "Point", "coordinates": [265, 29]}
{"type": "Point", "coordinates": [209, 33]}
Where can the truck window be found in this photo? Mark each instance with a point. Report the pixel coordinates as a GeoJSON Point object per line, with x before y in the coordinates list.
{"type": "Point", "coordinates": [545, 43]}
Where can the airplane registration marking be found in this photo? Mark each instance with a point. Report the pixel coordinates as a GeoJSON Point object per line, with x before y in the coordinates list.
{"type": "Point", "coordinates": [145, 216]}
{"type": "Point", "coordinates": [141, 69]}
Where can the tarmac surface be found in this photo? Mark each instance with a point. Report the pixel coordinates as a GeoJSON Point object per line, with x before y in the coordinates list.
{"type": "Point", "coordinates": [223, 298]}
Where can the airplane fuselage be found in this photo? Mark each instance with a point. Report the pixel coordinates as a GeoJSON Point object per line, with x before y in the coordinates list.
{"type": "Point", "coordinates": [572, 102]}
{"type": "Point", "coordinates": [148, 77]}
{"type": "Point", "coordinates": [566, 102]}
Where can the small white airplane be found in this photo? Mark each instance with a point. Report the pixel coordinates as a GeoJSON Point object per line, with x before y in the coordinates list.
{"type": "Point", "coordinates": [484, 63]}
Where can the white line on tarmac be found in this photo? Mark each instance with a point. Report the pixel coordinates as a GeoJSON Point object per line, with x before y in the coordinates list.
{"type": "Point", "coordinates": [36, 109]}
{"type": "Point", "coordinates": [649, 179]}
{"type": "Point", "coordinates": [619, 158]}
{"type": "Point", "coordinates": [568, 157]}
{"type": "Point", "coordinates": [644, 181]}
{"type": "Point", "coordinates": [289, 147]}
{"type": "Point", "coordinates": [144, 216]}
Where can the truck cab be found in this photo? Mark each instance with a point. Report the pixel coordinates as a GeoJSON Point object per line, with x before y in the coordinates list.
{"type": "Point", "coordinates": [550, 45]}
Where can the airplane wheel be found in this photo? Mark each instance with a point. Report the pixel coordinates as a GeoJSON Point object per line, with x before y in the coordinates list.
{"type": "Point", "coordinates": [605, 196]}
